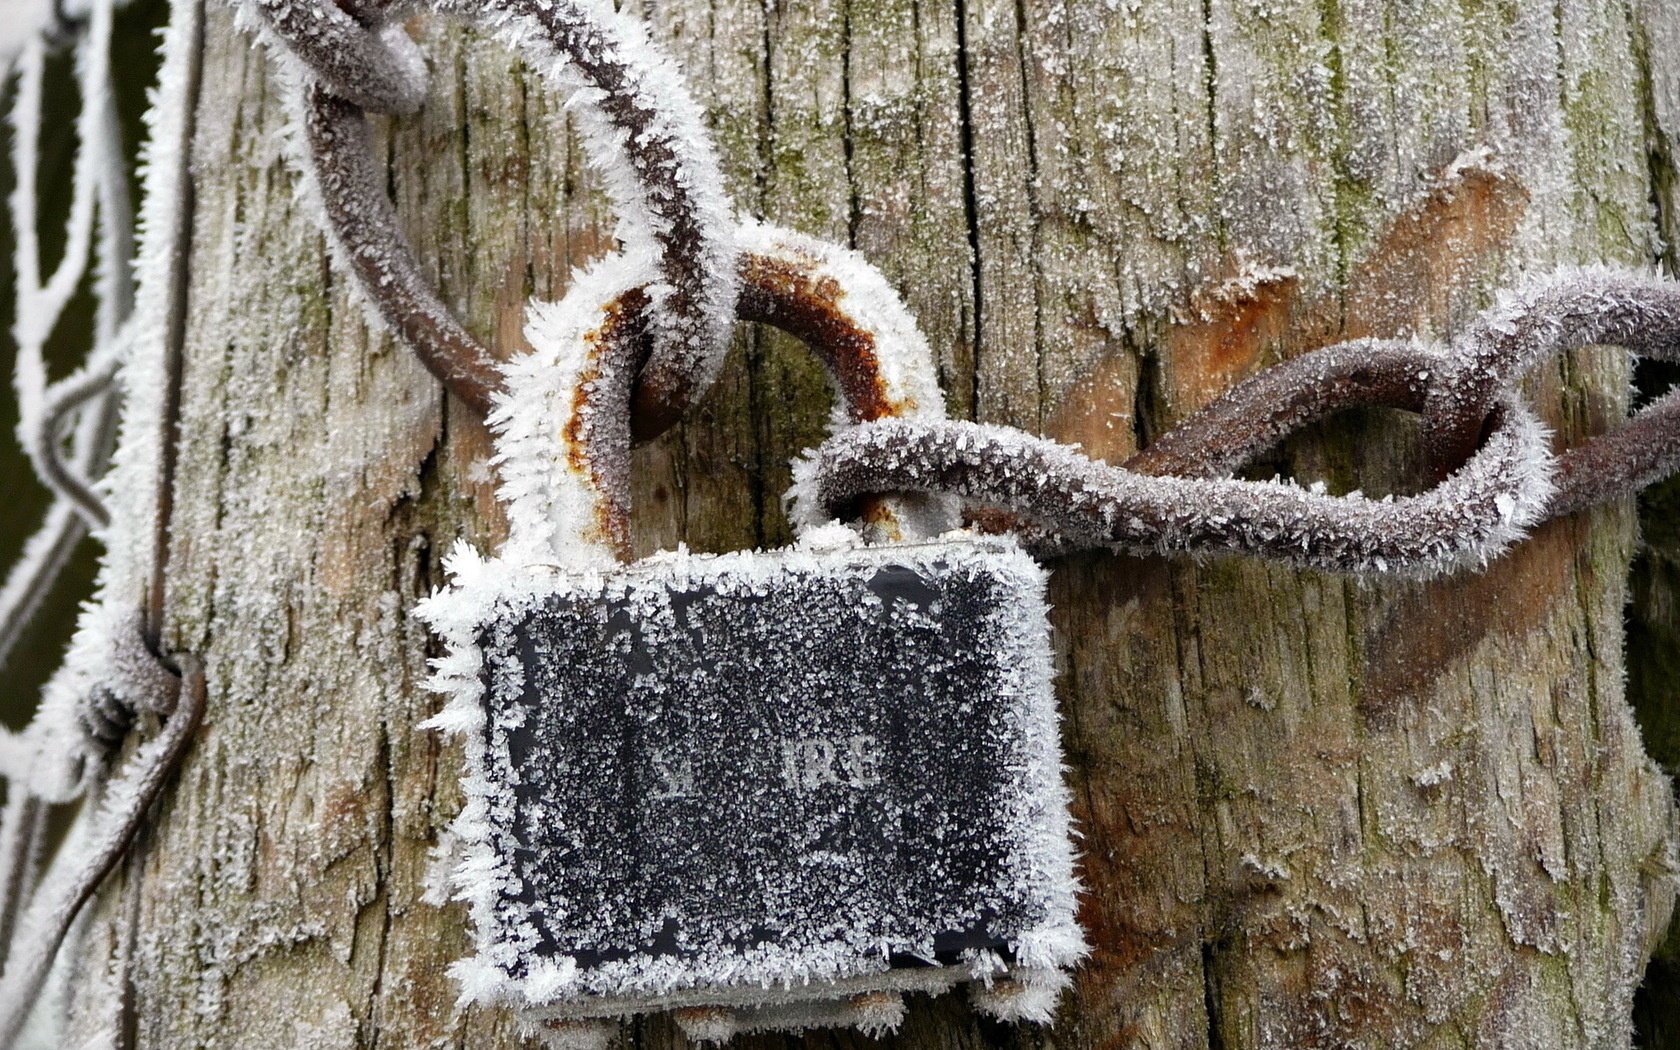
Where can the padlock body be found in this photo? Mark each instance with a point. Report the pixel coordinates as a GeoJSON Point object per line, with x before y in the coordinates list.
{"type": "Point", "coordinates": [734, 779]}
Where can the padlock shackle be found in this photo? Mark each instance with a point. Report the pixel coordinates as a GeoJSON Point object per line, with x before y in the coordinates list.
{"type": "Point", "coordinates": [577, 384]}
{"type": "Point", "coordinates": [844, 311]}
{"type": "Point", "coordinates": [788, 295]}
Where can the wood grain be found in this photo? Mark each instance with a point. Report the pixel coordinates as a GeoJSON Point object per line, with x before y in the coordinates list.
{"type": "Point", "coordinates": [1316, 812]}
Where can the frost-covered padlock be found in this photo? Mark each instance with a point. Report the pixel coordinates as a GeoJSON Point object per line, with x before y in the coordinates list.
{"type": "Point", "coordinates": [761, 790]}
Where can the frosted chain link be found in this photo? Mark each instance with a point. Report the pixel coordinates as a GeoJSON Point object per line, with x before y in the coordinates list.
{"type": "Point", "coordinates": [640, 124]}
{"type": "Point", "coordinates": [1496, 476]}
{"type": "Point", "coordinates": [691, 271]}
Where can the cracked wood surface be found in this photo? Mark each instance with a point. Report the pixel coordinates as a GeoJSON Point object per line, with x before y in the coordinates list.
{"type": "Point", "coordinates": [1317, 812]}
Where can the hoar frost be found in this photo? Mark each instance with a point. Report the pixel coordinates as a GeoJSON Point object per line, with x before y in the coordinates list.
{"type": "Point", "coordinates": [748, 780]}
{"type": "Point", "coordinates": [756, 788]}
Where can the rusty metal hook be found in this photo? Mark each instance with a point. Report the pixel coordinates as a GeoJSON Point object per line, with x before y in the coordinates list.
{"type": "Point", "coordinates": [374, 65]}
{"type": "Point", "coordinates": [664, 176]}
{"type": "Point", "coordinates": [785, 282]}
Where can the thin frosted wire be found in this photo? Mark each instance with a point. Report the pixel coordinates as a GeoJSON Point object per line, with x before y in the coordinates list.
{"type": "Point", "coordinates": [65, 427]}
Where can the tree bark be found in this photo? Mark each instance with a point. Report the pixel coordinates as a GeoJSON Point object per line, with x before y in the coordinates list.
{"type": "Point", "coordinates": [1317, 812]}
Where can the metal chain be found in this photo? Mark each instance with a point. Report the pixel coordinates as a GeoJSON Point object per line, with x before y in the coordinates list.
{"type": "Point", "coordinates": [1494, 476]}
{"type": "Point", "coordinates": [644, 130]}
{"type": "Point", "coordinates": [1494, 482]}
{"type": "Point", "coordinates": [357, 54]}
{"type": "Point", "coordinates": [1534, 322]}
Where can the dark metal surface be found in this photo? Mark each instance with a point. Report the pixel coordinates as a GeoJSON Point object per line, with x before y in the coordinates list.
{"type": "Point", "coordinates": [816, 761]}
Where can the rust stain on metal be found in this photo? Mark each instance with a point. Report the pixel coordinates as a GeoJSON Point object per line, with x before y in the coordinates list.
{"type": "Point", "coordinates": [572, 435]}
{"type": "Point", "coordinates": [792, 298]}
{"type": "Point", "coordinates": [621, 322]}
{"type": "Point", "coordinates": [783, 295]}
{"type": "Point", "coordinates": [789, 297]}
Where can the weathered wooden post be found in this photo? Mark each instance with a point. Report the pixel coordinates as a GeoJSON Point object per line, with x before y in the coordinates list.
{"type": "Point", "coordinates": [1317, 812]}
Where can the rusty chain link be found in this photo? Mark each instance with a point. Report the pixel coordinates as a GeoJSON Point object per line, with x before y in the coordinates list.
{"type": "Point", "coordinates": [1531, 323]}
{"type": "Point", "coordinates": [1492, 483]}
{"type": "Point", "coordinates": [644, 131]}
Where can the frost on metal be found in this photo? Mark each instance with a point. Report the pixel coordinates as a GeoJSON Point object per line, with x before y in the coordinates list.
{"type": "Point", "coordinates": [67, 426]}
{"type": "Point", "coordinates": [376, 67]}
{"type": "Point", "coordinates": [97, 242]}
{"type": "Point", "coordinates": [875, 353]}
{"type": "Point", "coordinates": [751, 779]}
{"type": "Point", "coordinates": [757, 786]}
{"type": "Point", "coordinates": [132, 485]}
{"type": "Point", "coordinates": [1476, 513]}
{"type": "Point", "coordinates": [1536, 320]}
{"type": "Point", "coordinates": [1541, 317]}
{"type": "Point", "coordinates": [641, 127]}
{"type": "Point", "coordinates": [554, 506]}
{"type": "Point", "coordinates": [902, 359]}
